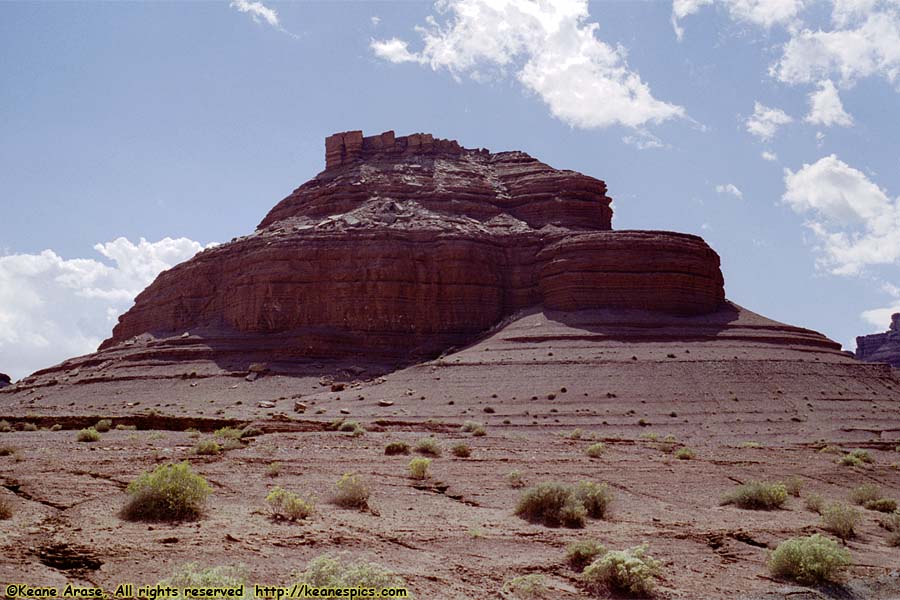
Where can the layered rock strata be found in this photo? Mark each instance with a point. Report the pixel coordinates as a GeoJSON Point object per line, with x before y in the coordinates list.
{"type": "Point", "coordinates": [881, 347]}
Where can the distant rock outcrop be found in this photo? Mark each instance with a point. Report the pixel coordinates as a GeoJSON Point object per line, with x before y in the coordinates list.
{"type": "Point", "coordinates": [881, 347]}
{"type": "Point", "coordinates": [405, 246]}
{"type": "Point", "coordinates": [5, 380]}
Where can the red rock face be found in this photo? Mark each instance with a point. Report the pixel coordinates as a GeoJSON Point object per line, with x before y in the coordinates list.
{"type": "Point", "coordinates": [405, 246]}
{"type": "Point", "coordinates": [881, 347]}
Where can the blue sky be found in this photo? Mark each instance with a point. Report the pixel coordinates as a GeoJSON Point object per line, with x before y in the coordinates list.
{"type": "Point", "coordinates": [769, 127]}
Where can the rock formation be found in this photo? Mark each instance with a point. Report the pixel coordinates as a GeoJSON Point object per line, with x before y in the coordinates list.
{"type": "Point", "coordinates": [881, 347]}
{"type": "Point", "coordinates": [4, 380]}
{"type": "Point", "coordinates": [405, 246]}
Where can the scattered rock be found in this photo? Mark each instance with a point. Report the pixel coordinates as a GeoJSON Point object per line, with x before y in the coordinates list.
{"type": "Point", "coordinates": [252, 377]}
{"type": "Point", "coordinates": [385, 403]}
{"type": "Point", "coordinates": [300, 407]}
{"type": "Point", "coordinates": [265, 404]}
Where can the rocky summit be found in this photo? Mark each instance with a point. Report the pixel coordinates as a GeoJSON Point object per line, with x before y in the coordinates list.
{"type": "Point", "coordinates": [881, 347]}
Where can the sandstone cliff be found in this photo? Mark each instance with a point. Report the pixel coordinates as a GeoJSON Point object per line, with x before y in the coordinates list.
{"type": "Point", "coordinates": [881, 347]}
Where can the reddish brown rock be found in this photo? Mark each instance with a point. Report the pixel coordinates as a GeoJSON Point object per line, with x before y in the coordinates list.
{"type": "Point", "coordinates": [881, 347]}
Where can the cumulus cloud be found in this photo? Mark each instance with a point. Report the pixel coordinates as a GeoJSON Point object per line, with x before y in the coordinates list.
{"type": "Point", "coordinates": [53, 308]}
{"type": "Point", "coordinates": [730, 189]}
{"type": "Point", "coordinates": [765, 13]}
{"type": "Point", "coordinates": [865, 42]}
{"type": "Point", "coordinates": [257, 10]}
{"type": "Point", "coordinates": [856, 223]}
{"type": "Point", "coordinates": [770, 156]}
{"type": "Point", "coordinates": [765, 121]}
{"type": "Point", "coordinates": [551, 47]}
{"type": "Point", "coordinates": [826, 108]}
{"type": "Point", "coordinates": [644, 140]}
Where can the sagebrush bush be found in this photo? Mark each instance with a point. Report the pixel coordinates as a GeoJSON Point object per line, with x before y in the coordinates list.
{"type": "Point", "coordinates": [461, 451]}
{"type": "Point", "coordinates": [208, 448]}
{"type": "Point", "coordinates": [5, 427]}
{"type": "Point", "coordinates": [582, 553]}
{"type": "Point", "coordinates": [885, 505]}
{"type": "Point", "coordinates": [575, 434]}
{"type": "Point", "coordinates": [809, 560]}
{"type": "Point", "coordinates": [684, 454]}
{"type": "Point", "coordinates": [595, 450]}
{"type": "Point", "coordinates": [351, 492]}
{"type": "Point", "coordinates": [274, 469]}
{"type": "Point", "coordinates": [793, 485]}
{"type": "Point", "coordinates": [170, 492]}
{"type": "Point", "coordinates": [228, 433]}
{"type": "Point", "coordinates": [6, 508]}
{"type": "Point", "coordinates": [891, 522]}
{"type": "Point", "coordinates": [815, 503]}
{"type": "Point", "coordinates": [29, 427]}
{"type": "Point", "coordinates": [865, 493]}
{"type": "Point", "coordinates": [328, 571]}
{"type": "Point", "coordinates": [192, 575]}
{"type": "Point", "coordinates": [528, 587]}
{"type": "Point", "coordinates": [470, 426]}
{"type": "Point", "coordinates": [552, 504]}
{"type": "Point", "coordinates": [515, 479]}
{"type": "Point", "coordinates": [428, 446]}
{"type": "Point", "coordinates": [418, 468]}
{"type": "Point", "coordinates": [288, 505]}
{"type": "Point", "coordinates": [840, 520]}
{"type": "Point", "coordinates": [395, 448]}
{"type": "Point", "coordinates": [352, 427]}
{"type": "Point", "coordinates": [103, 425]}
{"type": "Point", "coordinates": [849, 460]}
{"type": "Point", "coordinates": [595, 497]}
{"type": "Point", "coordinates": [757, 495]}
{"type": "Point", "coordinates": [629, 571]}
{"type": "Point", "coordinates": [862, 455]}
{"type": "Point", "coordinates": [88, 435]}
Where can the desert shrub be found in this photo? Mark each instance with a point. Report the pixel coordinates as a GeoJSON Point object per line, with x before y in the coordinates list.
{"type": "Point", "coordinates": [479, 431]}
{"type": "Point", "coordinates": [352, 427]}
{"type": "Point", "coordinates": [191, 575]}
{"type": "Point", "coordinates": [629, 571]}
{"type": "Point", "coordinates": [830, 449]}
{"type": "Point", "coordinates": [470, 426]}
{"type": "Point", "coordinates": [29, 427]}
{"type": "Point", "coordinates": [552, 504]}
{"type": "Point", "coordinates": [351, 492]}
{"type": "Point", "coordinates": [840, 519]}
{"type": "Point", "coordinates": [575, 434]}
{"type": "Point", "coordinates": [750, 444]}
{"type": "Point", "coordinates": [528, 587]}
{"type": "Point", "coordinates": [684, 454]}
{"type": "Point", "coordinates": [395, 448]}
{"type": "Point", "coordinates": [170, 492]}
{"type": "Point", "coordinates": [337, 572]}
{"type": "Point", "coordinates": [428, 446]}
{"type": "Point", "coordinates": [56, 427]}
{"type": "Point", "coordinates": [849, 460]}
{"type": "Point", "coordinates": [515, 479]}
{"type": "Point", "coordinates": [809, 560]}
{"type": "Point", "coordinates": [418, 468]}
{"type": "Point", "coordinates": [650, 435]}
{"type": "Point", "coordinates": [232, 444]}
{"type": "Point", "coordinates": [8, 450]}
{"type": "Point", "coordinates": [208, 448]}
{"type": "Point", "coordinates": [891, 522]}
{"type": "Point", "coordinates": [228, 433]}
{"type": "Point", "coordinates": [595, 450]}
{"type": "Point", "coordinates": [595, 497]}
{"type": "Point", "coordinates": [274, 469]}
{"type": "Point", "coordinates": [288, 505]}
{"type": "Point", "coordinates": [757, 495]}
{"type": "Point", "coordinates": [103, 425]}
{"type": "Point", "coordinates": [5, 427]}
{"type": "Point", "coordinates": [249, 431]}
{"type": "Point", "coordinates": [865, 493]}
{"type": "Point", "coordinates": [6, 509]}
{"type": "Point", "coordinates": [88, 435]}
{"type": "Point", "coordinates": [668, 443]}
{"type": "Point", "coordinates": [461, 451]}
{"type": "Point", "coordinates": [885, 505]}
{"type": "Point", "coordinates": [862, 455]}
{"type": "Point", "coordinates": [793, 485]}
{"type": "Point", "coordinates": [582, 553]}
{"type": "Point", "coordinates": [815, 503]}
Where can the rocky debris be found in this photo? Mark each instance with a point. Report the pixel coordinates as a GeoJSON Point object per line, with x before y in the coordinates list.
{"type": "Point", "coordinates": [5, 380]}
{"type": "Point", "coordinates": [265, 404]}
{"type": "Point", "coordinates": [300, 407]}
{"type": "Point", "coordinates": [385, 403]}
{"type": "Point", "coordinates": [881, 347]}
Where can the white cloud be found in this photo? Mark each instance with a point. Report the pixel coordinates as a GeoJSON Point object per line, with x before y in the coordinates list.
{"type": "Point", "coordinates": [644, 140]}
{"type": "Point", "coordinates": [867, 42]}
{"type": "Point", "coordinates": [855, 221]}
{"type": "Point", "coordinates": [765, 13]}
{"type": "Point", "coordinates": [375, 20]}
{"type": "Point", "coordinates": [550, 46]}
{"type": "Point", "coordinates": [53, 308]}
{"type": "Point", "coordinates": [880, 318]}
{"type": "Point", "coordinates": [769, 156]}
{"type": "Point", "coordinates": [826, 108]}
{"type": "Point", "coordinates": [258, 11]}
{"type": "Point", "coordinates": [730, 189]}
{"type": "Point", "coordinates": [765, 121]}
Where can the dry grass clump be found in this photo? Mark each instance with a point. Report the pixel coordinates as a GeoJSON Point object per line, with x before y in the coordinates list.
{"type": "Point", "coordinates": [461, 451]}
{"type": "Point", "coordinates": [352, 427]}
{"type": "Point", "coordinates": [288, 505]}
{"type": "Point", "coordinates": [815, 503]}
{"type": "Point", "coordinates": [428, 447]}
{"type": "Point", "coordinates": [595, 450]}
{"type": "Point", "coordinates": [840, 520]}
{"type": "Point", "coordinates": [475, 428]}
{"type": "Point", "coordinates": [685, 454]}
{"type": "Point", "coordinates": [418, 468]}
{"type": "Point", "coordinates": [6, 508]}
{"type": "Point", "coordinates": [809, 560]}
{"type": "Point", "coordinates": [103, 425]}
{"type": "Point", "coordinates": [170, 492]}
{"type": "Point", "coordinates": [575, 434]}
{"type": "Point", "coordinates": [793, 485]}
{"type": "Point", "coordinates": [29, 427]}
{"type": "Point", "coordinates": [630, 571]}
{"type": "Point", "coordinates": [856, 458]}
{"type": "Point", "coordinates": [274, 469]}
{"type": "Point", "coordinates": [208, 448]}
{"type": "Point", "coordinates": [891, 522]}
{"type": "Point", "coordinates": [395, 448]}
{"type": "Point", "coordinates": [5, 427]}
{"type": "Point", "coordinates": [528, 587]}
{"type": "Point", "coordinates": [8, 450]}
{"type": "Point", "coordinates": [228, 433]}
{"type": "Point", "coordinates": [757, 495]}
{"type": "Point", "coordinates": [351, 492]}
{"type": "Point", "coordinates": [869, 496]}
{"type": "Point", "coordinates": [88, 435]}
{"type": "Point", "coordinates": [582, 553]}
{"type": "Point", "coordinates": [556, 504]}
{"type": "Point", "coordinates": [515, 479]}
{"type": "Point", "coordinates": [337, 572]}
